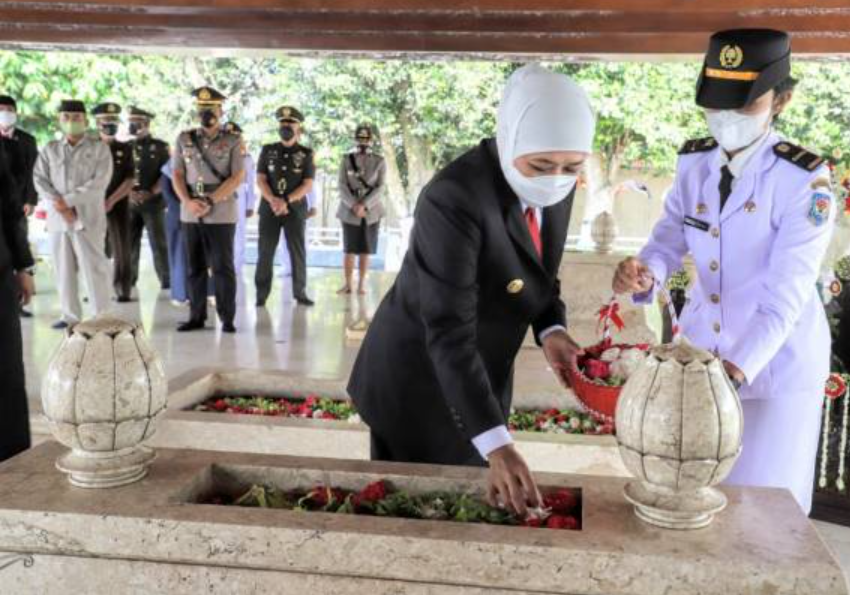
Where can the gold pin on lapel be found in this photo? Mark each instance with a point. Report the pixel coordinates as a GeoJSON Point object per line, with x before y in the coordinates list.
{"type": "Point", "coordinates": [750, 207]}
{"type": "Point", "coordinates": [702, 208]}
{"type": "Point", "coordinates": [516, 286]}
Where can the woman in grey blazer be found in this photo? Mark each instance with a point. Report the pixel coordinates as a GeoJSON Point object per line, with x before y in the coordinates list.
{"type": "Point", "coordinates": [361, 187]}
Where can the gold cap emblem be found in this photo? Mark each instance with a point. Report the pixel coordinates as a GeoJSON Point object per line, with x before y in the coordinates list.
{"type": "Point", "coordinates": [516, 286]}
{"type": "Point", "coordinates": [204, 95]}
{"type": "Point", "coordinates": [731, 56]}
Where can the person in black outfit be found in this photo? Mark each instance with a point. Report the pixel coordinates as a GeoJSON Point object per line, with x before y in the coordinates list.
{"type": "Point", "coordinates": [434, 377]}
{"type": "Point", "coordinates": [23, 152]}
{"type": "Point", "coordinates": [285, 175]}
{"type": "Point", "coordinates": [16, 288]}
{"type": "Point", "coordinates": [107, 116]}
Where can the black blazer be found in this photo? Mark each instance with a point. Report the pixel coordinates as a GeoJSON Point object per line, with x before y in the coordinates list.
{"type": "Point", "coordinates": [14, 248]}
{"type": "Point", "coordinates": [23, 153]}
{"type": "Point", "coordinates": [436, 366]}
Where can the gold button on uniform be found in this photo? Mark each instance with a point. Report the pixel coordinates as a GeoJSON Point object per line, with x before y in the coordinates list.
{"type": "Point", "coordinates": [716, 327]}
{"type": "Point", "coordinates": [714, 266]}
{"type": "Point", "coordinates": [715, 299]}
{"type": "Point", "coordinates": [515, 286]}
{"type": "Point", "coordinates": [715, 233]}
{"type": "Point", "coordinates": [702, 209]}
{"type": "Point", "coordinates": [750, 207]}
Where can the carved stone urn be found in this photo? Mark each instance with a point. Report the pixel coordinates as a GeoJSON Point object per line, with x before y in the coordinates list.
{"type": "Point", "coordinates": [102, 394]}
{"type": "Point", "coordinates": [679, 427]}
{"type": "Point", "coordinates": [603, 230]}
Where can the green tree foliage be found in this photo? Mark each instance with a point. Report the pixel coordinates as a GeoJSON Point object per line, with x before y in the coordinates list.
{"type": "Point", "coordinates": [427, 113]}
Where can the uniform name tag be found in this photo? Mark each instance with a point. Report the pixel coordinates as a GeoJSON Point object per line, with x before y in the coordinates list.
{"type": "Point", "coordinates": [701, 225]}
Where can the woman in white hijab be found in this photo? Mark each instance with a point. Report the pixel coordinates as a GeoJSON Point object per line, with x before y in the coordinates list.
{"type": "Point", "coordinates": [434, 376]}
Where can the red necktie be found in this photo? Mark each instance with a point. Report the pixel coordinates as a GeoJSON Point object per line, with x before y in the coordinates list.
{"type": "Point", "coordinates": [534, 230]}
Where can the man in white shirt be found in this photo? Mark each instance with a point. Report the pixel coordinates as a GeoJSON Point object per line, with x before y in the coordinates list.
{"type": "Point", "coordinates": [71, 176]}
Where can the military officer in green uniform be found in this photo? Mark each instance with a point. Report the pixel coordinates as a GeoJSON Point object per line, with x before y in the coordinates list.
{"type": "Point", "coordinates": [208, 168]}
{"type": "Point", "coordinates": [108, 117]}
{"type": "Point", "coordinates": [147, 206]}
{"type": "Point", "coordinates": [285, 173]}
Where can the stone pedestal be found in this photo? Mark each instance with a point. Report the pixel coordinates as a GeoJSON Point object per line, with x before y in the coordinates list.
{"type": "Point", "coordinates": [152, 537]}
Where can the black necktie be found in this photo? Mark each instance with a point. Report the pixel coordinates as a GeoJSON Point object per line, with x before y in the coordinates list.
{"type": "Point", "coordinates": [726, 178]}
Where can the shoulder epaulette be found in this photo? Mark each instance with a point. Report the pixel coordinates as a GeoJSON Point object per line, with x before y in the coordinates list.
{"type": "Point", "coordinates": [799, 156]}
{"type": "Point", "coordinates": [698, 145]}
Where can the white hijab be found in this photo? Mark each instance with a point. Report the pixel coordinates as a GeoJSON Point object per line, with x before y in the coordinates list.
{"type": "Point", "coordinates": [542, 111]}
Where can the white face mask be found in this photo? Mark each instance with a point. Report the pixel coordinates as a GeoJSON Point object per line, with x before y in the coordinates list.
{"type": "Point", "coordinates": [540, 191]}
{"type": "Point", "coordinates": [734, 131]}
{"type": "Point", "coordinates": [8, 119]}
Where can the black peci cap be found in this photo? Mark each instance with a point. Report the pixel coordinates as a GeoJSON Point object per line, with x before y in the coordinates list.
{"type": "Point", "coordinates": [741, 65]}
{"type": "Point", "coordinates": [7, 100]}
{"type": "Point", "coordinates": [72, 106]}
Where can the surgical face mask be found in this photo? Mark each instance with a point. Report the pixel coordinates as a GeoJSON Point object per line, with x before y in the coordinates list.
{"type": "Point", "coordinates": [208, 118]}
{"type": "Point", "coordinates": [363, 146]}
{"type": "Point", "coordinates": [541, 191]}
{"type": "Point", "coordinates": [734, 131]}
{"type": "Point", "coordinates": [109, 128]}
{"type": "Point", "coordinates": [8, 119]}
{"type": "Point", "coordinates": [73, 127]}
{"type": "Point", "coordinates": [287, 133]}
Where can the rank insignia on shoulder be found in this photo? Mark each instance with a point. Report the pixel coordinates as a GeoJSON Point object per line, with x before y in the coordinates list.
{"type": "Point", "coordinates": [799, 156]}
{"type": "Point", "coordinates": [698, 145]}
{"type": "Point", "coordinates": [820, 208]}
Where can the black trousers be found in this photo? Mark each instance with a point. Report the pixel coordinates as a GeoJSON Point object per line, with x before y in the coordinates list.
{"type": "Point", "coordinates": [118, 243]}
{"type": "Point", "coordinates": [14, 414]}
{"type": "Point", "coordinates": [295, 227]}
{"type": "Point", "coordinates": [150, 216]}
{"type": "Point", "coordinates": [210, 246]}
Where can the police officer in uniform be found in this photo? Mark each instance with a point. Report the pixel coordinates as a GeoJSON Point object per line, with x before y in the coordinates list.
{"type": "Point", "coordinates": [147, 206]}
{"type": "Point", "coordinates": [108, 117]}
{"type": "Point", "coordinates": [362, 175]}
{"type": "Point", "coordinates": [207, 168]}
{"type": "Point", "coordinates": [285, 173]}
{"type": "Point", "coordinates": [756, 212]}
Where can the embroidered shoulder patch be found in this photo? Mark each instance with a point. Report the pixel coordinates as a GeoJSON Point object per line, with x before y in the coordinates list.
{"type": "Point", "coordinates": [820, 209]}
{"type": "Point", "coordinates": [798, 156]}
{"type": "Point", "coordinates": [698, 145]}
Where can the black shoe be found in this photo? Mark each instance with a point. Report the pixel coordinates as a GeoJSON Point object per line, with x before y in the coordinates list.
{"type": "Point", "coordinates": [123, 299]}
{"type": "Point", "coordinates": [166, 286]}
{"type": "Point", "coordinates": [26, 313]}
{"type": "Point", "coordinates": [191, 325]}
{"type": "Point", "coordinates": [228, 327]}
{"type": "Point", "coordinates": [305, 301]}
{"type": "Point", "coordinates": [59, 325]}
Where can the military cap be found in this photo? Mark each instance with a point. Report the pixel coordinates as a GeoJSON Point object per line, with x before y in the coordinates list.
{"type": "Point", "coordinates": [741, 65]}
{"type": "Point", "coordinates": [208, 95]}
{"type": "Point", "coordinates": [106, 109]}
{"type": "Point", "coordinates": [287, 113]}
{"type": "Point", "coordinates": [72, 106]}
{"type": "Point", "coordinates": [140, 113]}
{"type": "Point", "coordinates": [363, 132]}
{"type": "Point", "coordinates": [233, 128]}
{"type": "Point", "coordinates": [7, 100]}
